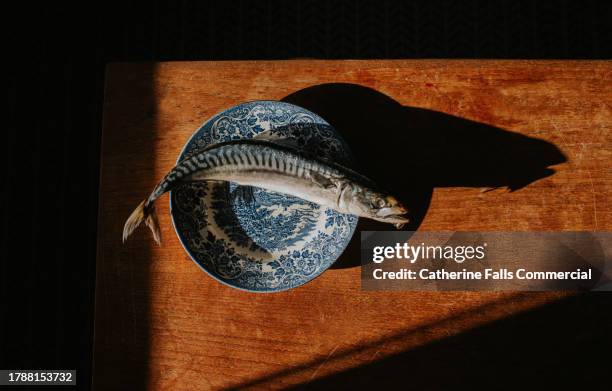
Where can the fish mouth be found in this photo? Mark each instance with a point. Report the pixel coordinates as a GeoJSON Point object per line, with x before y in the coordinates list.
{"type": "Point", "coordinates": [398, 220]}
{"type": "Point", "coordinates": [393, 212]}
{"type": "Point", "coordinates": [395, 215]}
{"type": "Point", "coordinates": [395, 218]}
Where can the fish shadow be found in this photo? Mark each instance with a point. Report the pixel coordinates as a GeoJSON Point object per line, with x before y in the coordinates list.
{"type": "Point", "coordinates": [410, 151]}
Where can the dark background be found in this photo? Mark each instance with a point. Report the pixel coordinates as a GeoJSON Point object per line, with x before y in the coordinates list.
{"type": "Point", "coordinates": [53, 88]}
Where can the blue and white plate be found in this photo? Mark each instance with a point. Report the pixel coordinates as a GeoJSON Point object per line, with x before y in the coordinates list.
{"type": "Point", "coordinates": [251, 238]}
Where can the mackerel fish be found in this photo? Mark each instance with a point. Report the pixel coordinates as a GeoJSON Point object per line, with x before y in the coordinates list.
{"type": "Point", "coordinates": [276, 167]}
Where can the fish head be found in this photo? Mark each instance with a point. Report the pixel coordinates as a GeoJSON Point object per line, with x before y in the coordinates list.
{"type": "Point", "coordinates": [381, 207]}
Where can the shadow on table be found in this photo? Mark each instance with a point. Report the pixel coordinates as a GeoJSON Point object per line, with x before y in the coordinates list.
{"type": "Point", "coordinates": [562, 343]}
{"type": "Point", "coordinates": [410, 151]}
{"type": "Point", "coordinates": [123, 288]}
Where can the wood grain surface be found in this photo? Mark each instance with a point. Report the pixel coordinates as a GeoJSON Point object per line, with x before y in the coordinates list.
{"type": "Point", "coordinates": [536, 134]}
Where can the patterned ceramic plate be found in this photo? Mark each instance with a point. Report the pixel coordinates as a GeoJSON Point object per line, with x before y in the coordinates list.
{"type": "Point", "coordinates": [251, 238]}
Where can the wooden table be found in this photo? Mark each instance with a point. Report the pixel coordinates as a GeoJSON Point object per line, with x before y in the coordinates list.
{"type": "Point", "coordinates": [436, 132]}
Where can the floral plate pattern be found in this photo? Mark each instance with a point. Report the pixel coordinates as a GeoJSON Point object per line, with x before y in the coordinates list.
{"type": "Point", "coordinates": [254, 239]}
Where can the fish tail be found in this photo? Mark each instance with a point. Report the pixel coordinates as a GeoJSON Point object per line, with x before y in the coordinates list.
{"type": "Point", "coordinates": [142, 213]}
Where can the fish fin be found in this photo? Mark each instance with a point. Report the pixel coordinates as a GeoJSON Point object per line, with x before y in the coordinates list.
{"type": "Point", "coordinates": [322, 180]}
{"type": "Point", "coordinates": [274, 139]}
{"type": "Point", "coordinates": [213, 184]}
{"type": "Point", "coordinates": [140, 214]}
{"type": "Point", "coordinates": [153, 223]}
{"type": "Point", "coordinates": [399, 225]}
{"type": "Point", "coordinates": [245, 193]}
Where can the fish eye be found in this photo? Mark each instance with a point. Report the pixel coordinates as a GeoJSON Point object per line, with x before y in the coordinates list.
{"type": "Point", "coordinates": [381, 203]}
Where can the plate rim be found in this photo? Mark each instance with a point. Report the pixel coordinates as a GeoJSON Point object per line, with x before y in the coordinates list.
{"type": "Point", "coordinates": [186, 248]}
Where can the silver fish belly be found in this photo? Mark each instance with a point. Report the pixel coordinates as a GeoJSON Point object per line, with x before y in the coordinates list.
{"type": "Point", "coordinates": [272, 169]}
